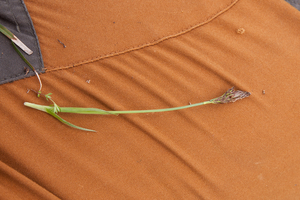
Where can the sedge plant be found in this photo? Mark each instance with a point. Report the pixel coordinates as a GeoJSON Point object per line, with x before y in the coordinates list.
{"type": "Point", "coordinates": [230, 95]}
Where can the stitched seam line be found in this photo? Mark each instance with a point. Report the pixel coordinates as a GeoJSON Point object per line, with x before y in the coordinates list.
{"type": "Point", "coordinates": [151, 43]}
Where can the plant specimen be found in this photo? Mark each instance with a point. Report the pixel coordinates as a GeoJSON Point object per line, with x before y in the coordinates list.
{"type": "Point", "coordinates": [230, 95]}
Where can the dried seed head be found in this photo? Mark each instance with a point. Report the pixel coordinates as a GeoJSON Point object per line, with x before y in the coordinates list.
{"type": "Point", "coordinates": [231, 96]}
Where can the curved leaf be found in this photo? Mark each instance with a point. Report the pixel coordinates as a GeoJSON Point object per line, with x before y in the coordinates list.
{"type": "Point", "coordinates": [51, 112]}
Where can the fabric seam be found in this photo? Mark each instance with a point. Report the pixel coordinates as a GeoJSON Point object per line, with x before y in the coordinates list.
{"type": "Point", "coordinates": [151, 43]}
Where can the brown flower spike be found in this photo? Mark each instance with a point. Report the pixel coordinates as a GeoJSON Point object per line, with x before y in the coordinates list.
{"type": "Point", "coordinates": [231, 96]}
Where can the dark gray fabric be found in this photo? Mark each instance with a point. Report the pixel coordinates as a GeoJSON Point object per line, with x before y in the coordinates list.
{"type": "Point", "coordinates": [295, 3]}
{"type": "Point", "coordinates": [14, 16]}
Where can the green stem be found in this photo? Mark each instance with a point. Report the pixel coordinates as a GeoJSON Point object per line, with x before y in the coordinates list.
{"type": "Point", "coordinates": [159, 110]}
{"type": "Point", "coordinates": [103, 112]}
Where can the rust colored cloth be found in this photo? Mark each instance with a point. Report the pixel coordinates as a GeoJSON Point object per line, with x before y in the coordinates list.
{"type": "Point", "coordinates": [130, 55]}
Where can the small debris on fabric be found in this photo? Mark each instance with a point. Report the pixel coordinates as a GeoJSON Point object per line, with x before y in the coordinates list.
{"type": "Point", "coordinates": [26, 70]}
{"type": "Point", "coordinates": [240, 31]}
{"type": "Point", "coordinates": [62, 43]}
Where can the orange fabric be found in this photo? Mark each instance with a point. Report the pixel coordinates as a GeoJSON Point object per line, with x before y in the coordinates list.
{"type": "Point", "coordinates": [158, 54]}
{"type": "Point", "coordinates": [102, 28]}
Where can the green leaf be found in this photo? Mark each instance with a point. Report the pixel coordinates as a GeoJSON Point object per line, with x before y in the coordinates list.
{"type": "Point", "coordinates": [14, 39]}
{"type": "Point", "coordinates": [23, 58]}
{"type": "Point", "coordinates": [6, 32]}
{"type": "Point", "coordinates": [51, 112]}
{"type": "Point", "coordinates": [48, 96]}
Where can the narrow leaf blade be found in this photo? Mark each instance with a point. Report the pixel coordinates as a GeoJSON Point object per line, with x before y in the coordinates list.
{"type": "Point", "coordinates": [22, 45]}
{"type": "Point", "coordinates": [51, 112]}
{"type": "Point", "coordinates": [14, 39]}
{"type": "Point", "coordinates": [6, 32]}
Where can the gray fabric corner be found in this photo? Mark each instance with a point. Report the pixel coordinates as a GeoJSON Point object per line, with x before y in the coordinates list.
{"type": "Point", "coordinates": [295, 3]}
{"type": "Point", "coordinates": [15, 17]}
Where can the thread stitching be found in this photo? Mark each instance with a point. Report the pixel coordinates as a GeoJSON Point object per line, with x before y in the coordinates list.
{"type": "Point", "coordinates": [148, 44]}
